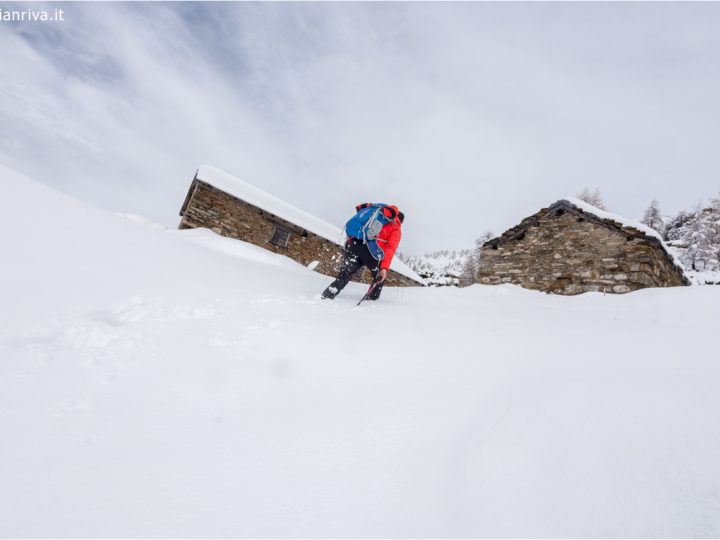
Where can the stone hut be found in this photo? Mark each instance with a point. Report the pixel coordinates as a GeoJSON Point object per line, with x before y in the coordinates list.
{"type": "Point", "coordinates": [572, 247]}
{"type": "Point", "coordinates": [236, 209]}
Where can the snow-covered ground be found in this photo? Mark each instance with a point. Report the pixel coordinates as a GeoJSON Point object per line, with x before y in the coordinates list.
{"type": "Point", "coordinates": [176, 383]}
{"type": "Point", "coordinates": [706, 277]}
{"type": "Point", "coordinates": [709, 277]}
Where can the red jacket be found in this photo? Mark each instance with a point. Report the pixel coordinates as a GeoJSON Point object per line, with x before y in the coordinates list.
{"type": "Point", "coordinates": [389, 236]}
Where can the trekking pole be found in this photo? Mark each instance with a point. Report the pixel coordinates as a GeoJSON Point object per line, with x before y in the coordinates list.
{"type": "Point", "coordinates": [370, 290]}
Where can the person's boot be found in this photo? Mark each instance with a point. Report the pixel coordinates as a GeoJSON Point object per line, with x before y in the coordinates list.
{"type": "Point", "coordinates": [376, 292]}
{"type": "Point", "coordinates": [329, 293]}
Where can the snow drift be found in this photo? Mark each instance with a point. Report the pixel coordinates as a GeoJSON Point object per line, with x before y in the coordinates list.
{"type": "Point", "coordinates": [177, 383]}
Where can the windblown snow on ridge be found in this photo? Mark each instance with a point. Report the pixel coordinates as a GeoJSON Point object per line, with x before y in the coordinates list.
{"type": "Point", "coordinates": [177, 383]}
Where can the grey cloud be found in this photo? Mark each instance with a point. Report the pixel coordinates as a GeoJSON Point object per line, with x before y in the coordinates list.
{"type": "Point", "coordinates": [478, 112]}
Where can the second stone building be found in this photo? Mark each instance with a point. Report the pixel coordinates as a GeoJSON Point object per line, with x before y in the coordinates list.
{"type": "Point", "coordinates": [572, 247]}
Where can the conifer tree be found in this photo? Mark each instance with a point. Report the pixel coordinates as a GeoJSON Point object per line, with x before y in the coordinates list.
{"type": "Point", "coordinates": [592, 197]}
{"type": "Point", "coordinates": [472, 263]}
{"type": "Point", "coordinates": [653, 218]}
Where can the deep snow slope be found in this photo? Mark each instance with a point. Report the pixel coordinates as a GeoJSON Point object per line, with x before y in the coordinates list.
{"type": "Point", "coordinates": [176, 383]}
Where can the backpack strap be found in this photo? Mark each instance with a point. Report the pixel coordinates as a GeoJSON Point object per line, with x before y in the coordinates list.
{"type": "Point", "coordinates": [387, 209]}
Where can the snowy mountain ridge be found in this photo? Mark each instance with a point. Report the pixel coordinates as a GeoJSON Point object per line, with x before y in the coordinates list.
{"type": "Point", "coordinates": [440, 267]}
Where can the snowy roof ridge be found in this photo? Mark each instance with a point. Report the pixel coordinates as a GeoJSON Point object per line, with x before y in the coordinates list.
{"type": "Point", "coordinates": [625, 223]}
{"type": "Point", "coordinates": [257, 197]}
{"type": "Point", "coordinates": [604, 214]}
{"type": "Point", "coordinates": [276, 206]}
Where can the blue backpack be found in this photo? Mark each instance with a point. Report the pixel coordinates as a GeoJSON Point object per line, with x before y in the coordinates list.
{"type": "Point", "coordinates": [366, 225]}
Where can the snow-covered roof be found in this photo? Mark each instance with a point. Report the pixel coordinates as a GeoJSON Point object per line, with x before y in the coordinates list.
{"type": "Point", "coordinates": [625, 222]}
{"type": "Point", "coordinates": [603, 214]}
{"type": "Point", "coordinates": [272, 204]}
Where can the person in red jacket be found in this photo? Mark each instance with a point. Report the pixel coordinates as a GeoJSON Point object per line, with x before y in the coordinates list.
{"type": "Point", "coordinates": [357, 254]}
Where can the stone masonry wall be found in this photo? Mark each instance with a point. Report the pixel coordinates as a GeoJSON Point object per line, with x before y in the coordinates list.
{"type": "Point", "coordinates": [567, 252]}
{"type": "Point", "coordinates": [229, 216]}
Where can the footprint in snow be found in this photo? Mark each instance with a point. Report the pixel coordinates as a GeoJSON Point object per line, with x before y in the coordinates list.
{"type": "Point", "coordinates": [264, 324]}
{"type": "Point", "coordinates": [131, 310]}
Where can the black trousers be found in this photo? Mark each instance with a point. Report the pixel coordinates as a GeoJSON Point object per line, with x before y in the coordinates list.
{"type": "Point", "coordinates": [355, 256]}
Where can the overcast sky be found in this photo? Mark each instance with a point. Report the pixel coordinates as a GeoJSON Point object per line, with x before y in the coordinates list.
{"type": "Point", "coordinates": [468, 116]}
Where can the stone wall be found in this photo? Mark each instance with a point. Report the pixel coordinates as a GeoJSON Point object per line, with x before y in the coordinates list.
{"type": "Point", "coordinates": [563, 250]}
{"type": "Point", "coordinates": [209, 207]}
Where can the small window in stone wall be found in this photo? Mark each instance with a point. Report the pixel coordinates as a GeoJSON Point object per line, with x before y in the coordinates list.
{"type": "Point", "coordinates": [280, 237]}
